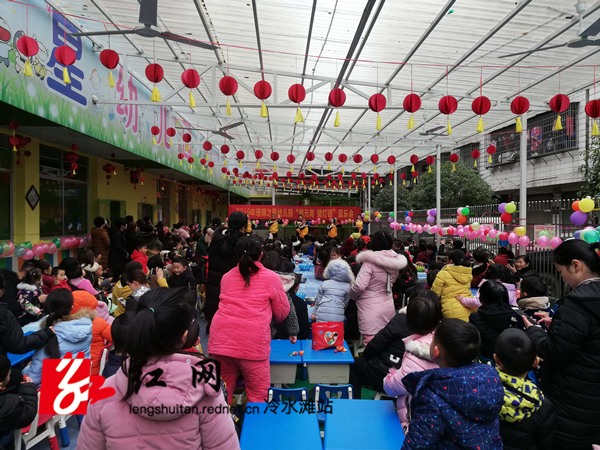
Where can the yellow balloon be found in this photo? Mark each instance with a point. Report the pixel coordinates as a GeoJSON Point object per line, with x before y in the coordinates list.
{"type": "Point", "coordinates": [510, 208]}
{"type": "Point", "coordinates": [586, 205]}
{"type": "Point", "coordinates": [521, 231]}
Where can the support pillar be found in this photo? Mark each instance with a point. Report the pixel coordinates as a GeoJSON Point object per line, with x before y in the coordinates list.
{"type": "Point", "coordinates": [438, 190]}
{"type": "Point", "coordinates": [395, 200]}
{"type": "Point", "coordinates": [523, 162]}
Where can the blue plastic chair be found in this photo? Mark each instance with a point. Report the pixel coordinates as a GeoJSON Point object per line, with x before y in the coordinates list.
{"type": "Point", "coordinates": [531, 375]}
{"type": "Point", "coordinates": [281, 395]}
{"type": "Point", "coordinates": [324, 392]}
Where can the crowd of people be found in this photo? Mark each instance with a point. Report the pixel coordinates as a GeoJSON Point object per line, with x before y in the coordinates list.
{"type": "Point", "coordinates": [498, 368]}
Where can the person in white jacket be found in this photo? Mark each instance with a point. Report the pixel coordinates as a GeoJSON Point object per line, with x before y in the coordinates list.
{"type": "Point", "coordinates": [334, 293]}
{"type": "Point", "coordinates": [423, 316]}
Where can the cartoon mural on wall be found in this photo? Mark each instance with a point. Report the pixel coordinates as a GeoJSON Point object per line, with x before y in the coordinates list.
{"type": "Point", "coordinates": [45, 94]}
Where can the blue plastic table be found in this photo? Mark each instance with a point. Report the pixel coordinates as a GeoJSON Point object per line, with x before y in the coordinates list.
{"type": "Point", "coordinates": [267, 430]}
{"type": "Point", "coordinates": [312, 285]}
{"type": "Point", "coordinates": [283, 367]}
{"type": "Point", "coordinates": [363, 425]}
{"type": "Point", "coordinates": [327, 366]}
{"type": "Point", "coordinates": [422, 275]}
{"type": "Point", "coordinates": [17, 359]}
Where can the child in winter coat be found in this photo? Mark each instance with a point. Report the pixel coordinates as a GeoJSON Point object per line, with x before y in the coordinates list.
{"type": "Point", "coordinates": [73, 332]}
{"type": "Point", "coordinates": [182, 275]}
{"type": "Point", "coordinates": [454, 280]}
{"type": "Point", "coordinates": [139, 255]}
{"type": "Point", "coordinates": [457, 405]}
{"type": "Point", "coordinates": [100, 328]}
{"type": "Point", "coordinates": [373, 287]}
{"type": "Point", "coordinates": [334, 293]}
{"type": "Point", "coordinates": [59, 279]}
{"type": "Point", "coordinates": [533, 296]}
{"type": "Point", "coordinates": [78, 282]}
{"type": "Point", "coordinates": [30, 297]}
{"type": "Point", "coordinates": [495, 272]}
{"type": "Point", "coordinates": [47, 280]}
{"type": "Point", "coordinates": [423, 315]}
{"type": "Point", "coordinates": [91, 268]}
{"type": "Point", "coordinates": [493, 317]}
{"type": "Point", "coordinates": [18, 405]}
{"type": "Point", "coordinates": [118, 331]}
{"type": "Point", "coordinates": [159, 383]}
{"type": "Point", "coordinates": [527, 417]}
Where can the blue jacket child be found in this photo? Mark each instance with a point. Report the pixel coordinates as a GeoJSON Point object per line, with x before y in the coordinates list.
{"type": "Point", "coordinates": [455, 408]}
{"type": "Point", "coordinates": [334, 293]}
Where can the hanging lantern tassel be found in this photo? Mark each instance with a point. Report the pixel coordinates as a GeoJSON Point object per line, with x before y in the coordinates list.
{"type": "Point", "coordinates": [298, 117]}
{"type": "Point", "coordinates": [480, 125]}
{"type": "Point", "coordinates": [378, 122]}
{"type": "Point", "coordinates": [263, 110]}
{"type": "Point", "coordinates": [374, 167]}
{"type": "Point", "coordinates": [181, 162]}
{"type": "Point", "coordinates": [558, 124]}
{"type": "Point", "coordinates": [257, 164]}
{"type": "Point", "coordinates": [192, 101]}
{"type": "Point", "coordinates": [224, 176]}
{"type": "Point", "coordinates": [153, 140]}
{"type": "Point", "coordinates": [228, 107]}
{"type": "Point", "coordinates": [27, 69]}
{"type": "Point", "coordinates": [449, 128]}
{"type": "Point", "coordinates": [240, 163]}
{"type": "Point", "coordinates": [390, 182]}
{"type": "Point", "coordinates": [342, 170]}
{"type": "Point", "coordinates": [411, 122]}
{"type": "Point", "coordinates": [490, 159]}
{"type": "Point", "coordinates": [328, 166]}
{"type": "Point", "coordinates": [66, 78]}
{"type": "Point", "coordinates": [412, 169]}
{"type": "Point", "coordinates": [155, 95]}
{"type": "Point", "coordinates": [429, 169]}
{"type": "Point", "coordinates": [519, 127]}
{"type": "Point", "coordinates": [403, 182]}
{"type": "Point", "coordinates": [453, 167]}
{"type": "Point", "coordinates": [337, 119]}
{"type": "Point", "coordinates": [475, 165]}
{"type": "Point", "coordinates": [111, 80]}
{"type": "Point", "coordinates": [595, 131]}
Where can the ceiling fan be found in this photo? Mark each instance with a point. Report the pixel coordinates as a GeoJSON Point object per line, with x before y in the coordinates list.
{"type": "Point", "coordinates": [432, 132]}
{"type": "Point", "coordinates": [582, 41]}
{"type": "Point", "coordinates": [222, 131]}
{"type": "Point", "coordinates": [148, 17]}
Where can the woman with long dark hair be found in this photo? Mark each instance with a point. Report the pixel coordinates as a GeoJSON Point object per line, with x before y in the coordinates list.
{"type": "Point", "coordinates": [571, 347]}
{"type": "Point", "coordinates": [170, 389]}
{"type": "Point", "coordinates": [222, 257]}
{"type": "Point", "coordinates": [251, 297]}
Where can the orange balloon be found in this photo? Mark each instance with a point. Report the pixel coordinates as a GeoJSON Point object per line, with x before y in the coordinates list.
{"type": "Point", "coordinates": [462, 220]}
{"type": "Point", "coordinates": [576, 206]}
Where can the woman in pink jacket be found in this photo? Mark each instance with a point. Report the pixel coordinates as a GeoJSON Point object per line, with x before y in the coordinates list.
{"type": "Point", "coordinates": [373, 287]}
{"type": "Point", "coordinates": [240, 333]}
{"type": "Point", "coordinates": [423, 315]}
{"type": "Point", "coordinates": [162, 394]}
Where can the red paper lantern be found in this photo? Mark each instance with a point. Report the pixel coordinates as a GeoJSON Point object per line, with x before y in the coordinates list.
{"type": "Point", "coordinates": [415, 174]}
{"type": "Point", "coordinates": [412, 103]}
{"type": "Point", "coordinates": [187, 138]}
{"type": "Point", "coordinates": [430, 160]}
{"type": "Point", "coordinates": [228, 85]}
{"type": "Point", "coordinates": [155, 131]}
{"type": "Point", "coordinates": [190, 78]}
{"type": "Point", "coordinates": [559, 103]}
{"type": "Point", "coordinates": [453, 160]}
{"type": "Point", "coordinates": [13, 126]}
{"type": "Point", "coordinates": [414, 159]}
{"type": "Point", "coordinates": [448, 105]}
{"type": "Point", "coordinates": [262, 90]}
{"type": "Point", "coordinates": [375, 160]}
{"type": "Point", "coordinates": [297, 93]}
{"type": "Point", "coordinates": [403, 176]}
{"type": "Point", "coordinates": [171, 131]}
{"type": "Point", "coordinates": [391, 160]}
{"type": "Point", "coordinates": [207, 146]}
{"type": "Point", "coordinates": [337, 98]}
{"type": "Point", "coordinates": [155, 73]}
{"type": "Point", "coordinates": [28, 46]}
{"type": "Point", "coordinates": [109, 58]}
{"type": "Point", "coordinates": [342, 158]}
{"type": "Point", "coordinates": [520, 105]}
{"type": "Point", "coordinates": [475, 154]}
{"type": "Point", "coordinates": [65, 55]}
{"type": "Point", "coordinates": [291, 159]}
{"type": "Point", "coordinates": [72, 158]}
{"type": "Point", "coordinates": [239, 155]}
{"type": "Point", "coordinates": [592, 109]}
{"type": "Point", "coordinates": [224, 149]}
{"type": "Point", "coordinates": [377, 102]}
{"type": "Point", "coordinates": [481, 105]}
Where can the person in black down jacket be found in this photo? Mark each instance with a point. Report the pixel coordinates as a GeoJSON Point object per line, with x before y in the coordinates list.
{"type": "Point", "coordinates": [571, 349]}
{"type": "Point", "coordinates": [383, 352]}
{"type": "Point", "coordinates": [118, 255]}
{"type": "Point", "coordinates": [18, 405]}
{"type": "Point", "coordinates": [182, 275]}
{"type": "Point", "coordinates": [527, 418]}
{"type": "Point", "coordinates": [222, 258]}
{"type": "Point", "coordinates": [11, 281]}
{"type": "Point", "coordinates": [493, 316]}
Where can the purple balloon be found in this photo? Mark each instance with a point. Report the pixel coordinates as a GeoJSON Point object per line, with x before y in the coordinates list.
{"type": "Point", "coordinates": [377, 219]}
{"type": "Point", "coordinates": [408, 219]}
{"type": "Point", "coordinates": [502, 208]}
{"type": "Point", "coordinates": [579, 218]}
{"type": "Point", "coordinates": [433, 212]}
{"type": "Point", "coordinates": [390, 219]}
{"type": "Point", "coordinates": [430, 219]}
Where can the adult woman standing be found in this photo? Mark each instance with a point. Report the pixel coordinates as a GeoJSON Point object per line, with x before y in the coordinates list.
{"type": "Point", "coordinates": [571, 348]}
{"type": "Point", "coordinates": [251, 296]}
{"type": "Point", "coordinates": [373, 287]}
{"type": "Point", "coordinates": [222, 257]}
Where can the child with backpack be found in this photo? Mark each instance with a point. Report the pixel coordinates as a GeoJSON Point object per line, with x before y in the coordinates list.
{"type": "Point", "coordinates": [334, 293]}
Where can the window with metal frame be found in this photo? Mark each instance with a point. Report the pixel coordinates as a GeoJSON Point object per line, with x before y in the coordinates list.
{"type": "Point", "coordinates": [63, 194]}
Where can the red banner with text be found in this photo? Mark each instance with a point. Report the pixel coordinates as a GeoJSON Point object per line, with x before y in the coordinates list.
{"type": "Point", "coordinates": [291, 212]}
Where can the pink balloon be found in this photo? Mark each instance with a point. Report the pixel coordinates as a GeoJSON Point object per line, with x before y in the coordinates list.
{"type": "Point", "coordinates": [28, 255]}
{"type": "Point", "coordinates": [484, 237]}
{"type": "Point", "coordinates": [46, 247]}
{"type": "Point", "coordinates": [493, 233]}
{"type": "Point", "coordinates": [11, 248]}
{"type": "Point", "coordinates": [513, 238]}
{"type": "Point", "coordinates": [524, 241]}
{"type": "Point", "coordinates": [555, 242]}
{"type": "Point", "coordinates": [543, 241]}
{"type": "Point", "coordinates": [434, 229]}
{"type": "Point", "coordinates": [82, 242]}
{"type": "Point", "coordinates": [38, 250]}
{"type": "Point", "coordinates": [65, 242]}
{"type": "Point", "coordinates": [52, 249]}
{"type": "Point", "coordinates": [461, 232]}
{"type": "Point", "coordinates": [419, 229]}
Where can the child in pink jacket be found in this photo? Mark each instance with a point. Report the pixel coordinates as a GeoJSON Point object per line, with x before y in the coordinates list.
{"type": "Point", "coordinates": [373, 287]}
{"type": "Point", "coordinates": [498, 273]}
{"type": "Point", "coordinates": [423, 315]}
{"type": "Point", "coordinates": [240, 333]}
{"type": "Point", "coordinates": [161, 400]}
